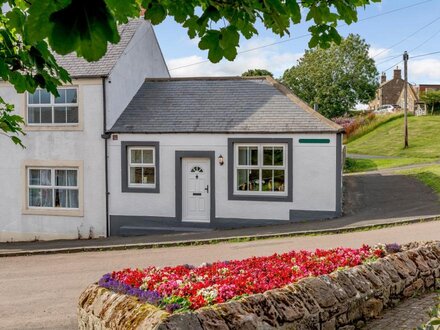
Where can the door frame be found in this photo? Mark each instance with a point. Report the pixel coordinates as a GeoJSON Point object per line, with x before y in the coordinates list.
{"type": "Point", "coordinates": [180, 154]}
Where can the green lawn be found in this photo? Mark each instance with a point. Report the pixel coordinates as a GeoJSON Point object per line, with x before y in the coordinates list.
{"type": "Point", "coordinates": [364, 165]}
{"type": "Point", "coordinates": [387, 139]}
{"type": "Point", "coordinates": [429, 175]}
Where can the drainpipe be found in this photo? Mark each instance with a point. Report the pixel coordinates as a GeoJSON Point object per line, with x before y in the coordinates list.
{"type": "Point", "coordinates": [105, 135]}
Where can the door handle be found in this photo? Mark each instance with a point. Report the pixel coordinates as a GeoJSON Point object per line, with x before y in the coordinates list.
{"type": "Point", "coordinates": [197, 194]}
{"type": "Point", "coordinates": [207, 188]}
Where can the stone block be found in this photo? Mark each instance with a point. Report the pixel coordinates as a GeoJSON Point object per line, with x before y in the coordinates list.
{"type": "Point", "coordinates": [372, 308]}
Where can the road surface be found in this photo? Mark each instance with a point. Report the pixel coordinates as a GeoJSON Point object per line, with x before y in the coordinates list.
{"type": "Point", "coordinates": [40, 292]}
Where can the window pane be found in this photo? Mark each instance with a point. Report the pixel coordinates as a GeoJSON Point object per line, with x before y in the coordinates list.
{"type": "Point", "coordinates": [40, 197]}
{"type": "Point", "coordinates": [242, 179]}
{"type": "Point", "coordinates": [62, 97]}
{"type": "Point", "coordinates": [59, 115]}
{"type": "Point", "coordinates": [66, 198]}
{"type": "Point", "coordinates": [278, 156]}
{"type": "Point", "coordinates": [268, 156]}
{"type": "Point", "coordinates": [60, 177]}
{"type": "Point", "coordinates": [46, 115]}
{"type": "Point", "coordinates": [136, 156]}
{"type": "Point", "coordinates": [44, 97]}
{"type": "Point", "coordinates": [247, 155]}
{"type": "Point", "coordinates": [148, 175]}
{"type": "Point", "coordinates": [34, 177]}
{"type": "Point", "coordinates": [253, 155]}
{"type": "Point", "coordinates": [267, 180]}
{"type": "Point", "coordinates": [34, 98]}
{"type": "Point", "coordinates": [279, 180]}
{"type": "Point", "coordinates": [71, 95]}
{"type": "Point", "coordinates": [34, 116]}
{"type": "Point", "coordinates": [248, 180]}
{"type": "Point", "coordinates": [147, 157]}
{"type": "Point", "coordinates": [135, 174]}
{"type": "Point", "coordinates": [72, 115]}
{"type": "Point", "coordinates": [254, 180]}
{"type": "Point", "coordinates": [71, 178]}
{"type": "Point", "coordinates": [45, 177]}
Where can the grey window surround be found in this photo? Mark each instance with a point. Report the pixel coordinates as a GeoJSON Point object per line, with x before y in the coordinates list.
{"type": "Point", "coordinates": [124, 166]}
{"type": "Point", "coordinates": [263, 198]}
{"type": "Point", "coordinates": [178, 169]}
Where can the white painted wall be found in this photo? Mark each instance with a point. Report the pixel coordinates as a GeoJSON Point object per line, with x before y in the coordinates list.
{"type": "Point", "coordinates": [85, 145]}
{"type": "Point", "coordinates": [141, 59]}
{"type": "Point", "coordinates": [314, 178]}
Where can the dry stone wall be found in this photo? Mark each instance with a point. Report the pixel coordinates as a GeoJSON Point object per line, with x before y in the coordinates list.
{"type": "Point", "coordinates": [342, 300]}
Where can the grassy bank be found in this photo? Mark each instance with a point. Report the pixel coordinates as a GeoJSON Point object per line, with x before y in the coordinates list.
{"type": "Point", "coordinates": [429, 175]}
{"type": "Point", "coordinates": [387, 139]}
{"type": "Point", "coordinates": [378, 121]}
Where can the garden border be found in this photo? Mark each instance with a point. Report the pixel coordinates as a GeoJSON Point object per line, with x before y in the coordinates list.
{"type": "Point", "coordinates": [338, 300]}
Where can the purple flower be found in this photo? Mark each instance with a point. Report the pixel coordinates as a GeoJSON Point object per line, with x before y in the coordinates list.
{"type": "Point", "coordinates": [145, 296]}
{"type": "Point", "coordinates": [170, 308]}
{"type": "Point", "coordinates": [393, 248]}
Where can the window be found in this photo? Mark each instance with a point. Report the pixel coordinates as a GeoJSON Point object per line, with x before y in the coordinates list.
{"type": "Point", "coordinates": [141, 167]}
{"type": "Point", "coordinates": [55, 188]}
{"type": "Point", "coordinates": [46, 109]}
{"type": "Point", "coordinates": [260, 169]}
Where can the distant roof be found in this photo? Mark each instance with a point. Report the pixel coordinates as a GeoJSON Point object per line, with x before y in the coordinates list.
{"type": "Point", "coordinates": [78, 67]}
{"type": "Point", "coordinates": [219, 105]}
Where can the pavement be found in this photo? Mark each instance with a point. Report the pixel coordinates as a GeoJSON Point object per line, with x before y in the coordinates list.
{"type": "Point", "coordinates": [41, 291]}
{"type": "Point", "coordinates": [373, 199]}
{"type": "Point", "coordinates": [408, 315]}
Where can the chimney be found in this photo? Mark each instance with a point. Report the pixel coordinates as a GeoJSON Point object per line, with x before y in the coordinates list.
{"type": "Point", "coordinates": [383, 78]}
{"type": "Point", "coordinates": [397, 73]}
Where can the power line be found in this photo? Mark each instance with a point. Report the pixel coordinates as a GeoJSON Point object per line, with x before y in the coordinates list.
{"type": "Point", "coordinates": [406, 38]}
{"type": "Point", "coordinates": [427, 54]}
{"type": "Point", "coordinates": [308, 34]}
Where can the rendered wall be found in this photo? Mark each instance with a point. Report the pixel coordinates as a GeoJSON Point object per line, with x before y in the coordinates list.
{"type": "Point", "coordinates": [314, 178]}
{"type": "Point", "coordinates": [142, 59]}
{"type": "Point", "coordinates": [81, 145]}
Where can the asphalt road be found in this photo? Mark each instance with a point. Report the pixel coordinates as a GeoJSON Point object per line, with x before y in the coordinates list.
{"type": "Point", "coordinates": [40, 292]}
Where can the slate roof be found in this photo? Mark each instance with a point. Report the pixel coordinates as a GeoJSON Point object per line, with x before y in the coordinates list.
{"type": "Point", "coordinates": [219, 105]}
{"type": "Point", "coordinates": [78, 67]}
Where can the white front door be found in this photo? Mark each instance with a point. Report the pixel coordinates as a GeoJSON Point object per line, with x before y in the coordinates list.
{"type": "Point", "coordinates": [196, 190]}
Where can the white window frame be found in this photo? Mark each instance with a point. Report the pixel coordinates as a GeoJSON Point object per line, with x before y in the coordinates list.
{"type": "Point", "coordinates": [130, 164]}
{"type": "Point", "coordinates": [260, 167]}
{"type": "Point", "coordinates": [52, 187]}
{"type": "Point", "coordinates": [53, 105]}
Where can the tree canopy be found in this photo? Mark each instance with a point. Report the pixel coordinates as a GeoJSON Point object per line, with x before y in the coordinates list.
{"type": "Point", "coordinates": [31, 30]}
{"type": "Point", "coordinates": [431, 98]}
{"type": "Point", "coordinates": [336, 78]}
{"type": "Point", "coordinates": [256, 73]}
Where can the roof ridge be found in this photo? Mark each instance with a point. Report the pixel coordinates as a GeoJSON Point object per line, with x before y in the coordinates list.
{"type": "Point", "coordinates": [204, 78]}
{"type": "Point", "coordinates": [294, 98]}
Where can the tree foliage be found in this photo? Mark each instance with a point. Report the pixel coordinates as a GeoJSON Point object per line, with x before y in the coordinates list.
{"type": "Point", "coordinates": [431, 98]}
{"type": "Point", "coordinates": [256, 73]}
{"type": "Point", "coordinates": [336, 78]}
{"type": "Point", "coordinates": [31, 30]}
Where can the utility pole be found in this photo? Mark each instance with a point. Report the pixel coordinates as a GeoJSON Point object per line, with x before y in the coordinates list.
{"type": "Point", "coordinates": [405, 95]}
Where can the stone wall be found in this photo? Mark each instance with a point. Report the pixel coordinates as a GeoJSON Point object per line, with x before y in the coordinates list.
{"type": "Point", "coordinates": [342, 300]}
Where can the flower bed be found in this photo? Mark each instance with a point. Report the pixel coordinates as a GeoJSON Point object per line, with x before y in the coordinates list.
{"type": "Point", "coordinates": [187, 287]}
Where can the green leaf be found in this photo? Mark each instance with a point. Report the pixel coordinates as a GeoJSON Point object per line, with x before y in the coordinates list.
{"type": "Point", "coordinates": [215, 54]}
{"type": "Point", "coordinates": [229, 37]}
{"type": "Point", "coordinates": [156, 13]}
{"type": "Point", "coordinates": [230, 53]}
{"type": "Point", "coordinates": [295, 11]}
{"type": "Point", "coordinates": [122, 10]}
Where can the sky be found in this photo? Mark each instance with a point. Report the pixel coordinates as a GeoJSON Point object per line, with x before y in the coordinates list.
{"type": "Point", "coordinates": [388, 27]}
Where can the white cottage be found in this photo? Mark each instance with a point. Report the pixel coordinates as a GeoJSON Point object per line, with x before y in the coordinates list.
{"type": "Point", "coordinates": [116, 154]}
{"type": "Point", "coordinates": [220, 152]}
{"type": "Point", "coordinates": [56, 187]}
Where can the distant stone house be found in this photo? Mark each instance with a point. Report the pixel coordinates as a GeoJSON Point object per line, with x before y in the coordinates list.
{"type": "Point", "coordinates": [391, 92]}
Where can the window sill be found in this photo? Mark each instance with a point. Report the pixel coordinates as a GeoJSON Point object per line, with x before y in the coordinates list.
{"type": "Point", "coordinates": [140, 190]}
{"type": "Point", "coordinates": [54, 212]}
{"type": "Point", "coordinates": [261, 198]}
{"type": "Point", "coordinates": [34, 128]}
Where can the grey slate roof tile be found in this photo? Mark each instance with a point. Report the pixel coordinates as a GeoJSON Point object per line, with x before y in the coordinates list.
{"type": "Point", "coordinates": [78, 67]}
{"type": "Point", "coordinates": [210, 105]}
